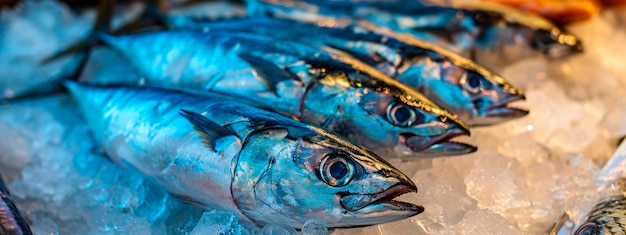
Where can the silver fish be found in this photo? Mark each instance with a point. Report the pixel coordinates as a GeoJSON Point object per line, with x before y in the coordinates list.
{"type": "Point", "coordinates": [11, 222]}
{"type": "Point", "coordinates": [264, 167]}
{"type": "Point", "coordinates": [332, 90]}
{"type": "Point", "coordinates": [477, 95]}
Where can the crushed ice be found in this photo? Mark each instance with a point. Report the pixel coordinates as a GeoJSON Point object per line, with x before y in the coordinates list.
{"type": "Point", "coordinates": [525, 174]}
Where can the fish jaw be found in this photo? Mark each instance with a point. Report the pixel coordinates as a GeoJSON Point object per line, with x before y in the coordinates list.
{"type": "Point", "coordinates": [383, 209]}
{"type": "Point", "coordinates": [499, 112]}
{"type": "Point", "coordinates": [438, 145]}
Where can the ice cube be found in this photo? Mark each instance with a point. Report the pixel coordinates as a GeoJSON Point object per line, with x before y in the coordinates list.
{"type": "Point", "coordinates": [313, 227]}
{"type": "Point", "coordinates": [276, 229]}
{"type": "Point", "coordinates": [217, 222]}
{"type": "Point", "coordinates": [494, 182]}
{"type": "Point", "coordinates": [484, 221]}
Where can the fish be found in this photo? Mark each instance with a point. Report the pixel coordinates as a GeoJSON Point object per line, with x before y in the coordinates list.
{"type": "Point", "coordinates": [468, 27]}
{"type": "Point", "coordinates": [607, 217]}
{"type": "Point", "coordinates": [330, 89]}
{"type": "Point", "coordinates": [477, 95]}
{"type": "Point", "coordinates": [11, 222]}
{"type": "Point", "coordinates": [264, 167]}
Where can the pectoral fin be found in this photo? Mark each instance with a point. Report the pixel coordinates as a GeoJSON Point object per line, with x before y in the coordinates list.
{"type": "Point", "coordinates": [271, 74]}
{"type": "Point", "coordinates": [208, 130]}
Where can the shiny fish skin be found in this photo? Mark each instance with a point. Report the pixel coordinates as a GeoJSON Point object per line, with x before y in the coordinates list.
{"type": "Point", "coordinates": [463, 25]}
{"type": "Point", "coordinates": [262, 166]}
{"type": "Point", "coordinates": [11, 222]}
{"type": "Point", "coordinates": [606, 218]}
{"type": "Point", "coordinates": [332, 90]}
{"type": "Point", "coordinates": [467, 89]}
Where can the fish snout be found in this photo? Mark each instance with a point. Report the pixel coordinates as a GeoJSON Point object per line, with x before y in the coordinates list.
{"type": "Point", "coordinates": [439, 145]}
{"type": "Point", "coordinates": [499, 108]}
{"type": "Point", "coordinates": [391, 184]}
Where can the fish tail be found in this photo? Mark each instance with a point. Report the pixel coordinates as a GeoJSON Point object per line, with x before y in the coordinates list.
{"type": "Point", "coordinates": [101, 26]}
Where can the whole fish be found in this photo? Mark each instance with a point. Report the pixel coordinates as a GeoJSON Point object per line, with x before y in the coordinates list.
{"type": "Point", "coordinates": [262, 166]}
{"type": "Point", "coordinates": [468, 27]}
{"type": "Point", "coordinates": [11, 222]}
{"type": "Point", "coordinates": [477, 95]}
{"type": "Point", "coordinates": [332, 90]}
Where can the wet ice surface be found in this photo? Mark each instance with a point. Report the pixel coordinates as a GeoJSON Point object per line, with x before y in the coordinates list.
{"type": "Point", "coordinates": [525, 174]}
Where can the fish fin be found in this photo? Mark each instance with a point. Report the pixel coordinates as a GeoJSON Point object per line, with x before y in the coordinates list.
{"type": "Point", "coordinates": [101, 25]}
{"type": "Point", "coordinates": [271, 74]}
{"type": "Point", "coordinates": [209, 131]}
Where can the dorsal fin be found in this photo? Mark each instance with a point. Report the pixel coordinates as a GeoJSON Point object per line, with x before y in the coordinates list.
{"type": "Point", "coordinates": [208, 130]}
{"type": "Point", "coordinates": [270, 72]}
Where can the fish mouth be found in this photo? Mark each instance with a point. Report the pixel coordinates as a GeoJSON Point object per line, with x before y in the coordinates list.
{"type": "Point", "coordinates": [436, 146]}
{"type": "Point", "coordinates": [381, 207]}
{"type": "Point", "coordinates": [501, 112]}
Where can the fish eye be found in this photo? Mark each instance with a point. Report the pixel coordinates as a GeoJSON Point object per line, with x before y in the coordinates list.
{"type": "Point", "coordinates": [337, 170]}
{"type": "Point", "coordinates": [588, 229]}
{"type": "Point", "coordinates": [472, 83]}
{"type": "Point", "coordinates": [401, 114]}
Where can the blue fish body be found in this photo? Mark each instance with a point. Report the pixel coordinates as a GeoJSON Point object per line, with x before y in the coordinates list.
{"type": "Point", "coordinates": [11, 222]}
{"type": "Point", "coordinates": [262, 166]}
{"type": "Point", "coordinates": [455, 83]}
{"type": "Point", "coordinates": [460, 25]}
{"type": "Point", "coordinates": [337, 92]}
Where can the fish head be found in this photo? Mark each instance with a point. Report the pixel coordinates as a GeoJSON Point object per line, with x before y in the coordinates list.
{"type": "Point", "coordinates": [475, 94]}
{"type": "Point", "coordinates": [555, 43]}
{"type": "Point", "coordinates": [418, 128]}
{"type": "Point", "coordinates": [386, 115]}
{"type": "Point", "coordinates": [289, 175]}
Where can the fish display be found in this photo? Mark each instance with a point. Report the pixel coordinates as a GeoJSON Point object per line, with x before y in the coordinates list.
{"type": "Point", "coordinates": [11, 222]}
{"type": "Point", "coordinates": [477, 95]}
{"type": "Point", "coordinates": [332, 90]}
{"type": "Point", "coordinates": [262, 166]}
{"type": "Point", "coordinates": [468, 27]}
